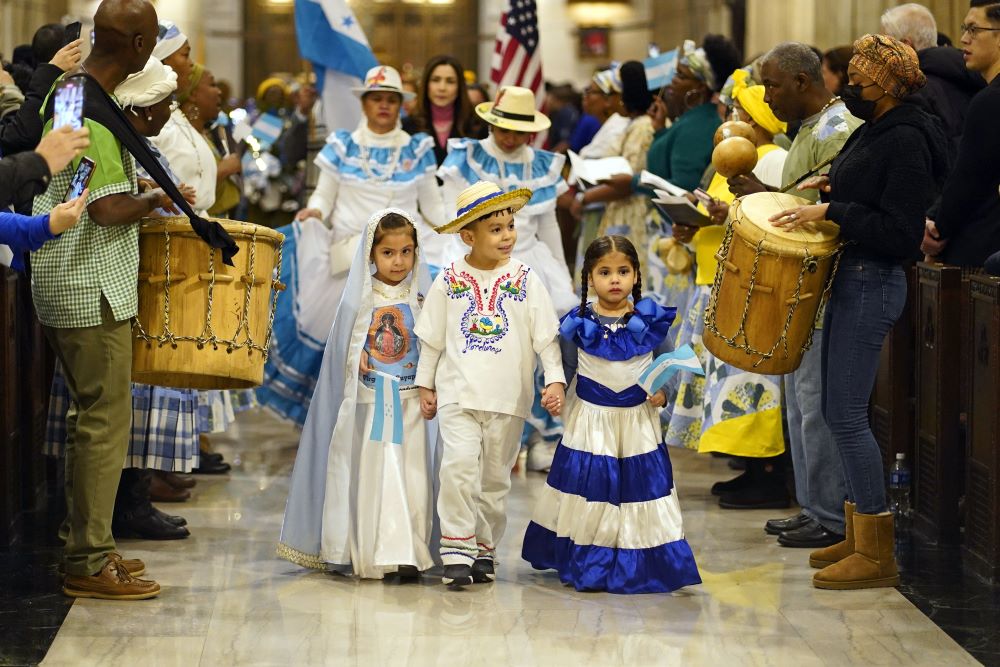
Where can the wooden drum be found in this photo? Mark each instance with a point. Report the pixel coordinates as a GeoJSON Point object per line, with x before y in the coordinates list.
{"type": "Point", "coordinates": [769, 286]}
{"type": "Point", "coordinates": [202, 324]}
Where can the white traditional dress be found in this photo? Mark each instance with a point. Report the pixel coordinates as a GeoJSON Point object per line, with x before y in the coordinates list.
{"type": "Point", "coordinates": [361, 172]}
{"type": "Point", "coordinates": [358, 504]}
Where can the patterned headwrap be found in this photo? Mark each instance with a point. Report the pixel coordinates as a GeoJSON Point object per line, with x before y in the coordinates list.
{"type": "Point", "coordinates": [890, 63]}
{"type": "Point", "coordinates": [751, 98]}
{"type": "Point", "coordinates": [697, 62]}
{"type": "Point", "coordinates": [608, 81]}
{"type": "Point", "coordinates": [197, 71]}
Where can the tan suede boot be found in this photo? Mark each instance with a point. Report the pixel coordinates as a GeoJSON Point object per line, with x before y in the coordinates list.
{"type": "Point", "coordinates": [835, 553]}
{"type": "Point", "coordinates": [873, 563]}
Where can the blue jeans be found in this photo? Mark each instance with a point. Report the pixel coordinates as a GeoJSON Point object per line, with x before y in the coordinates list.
{"type": "Point", "coordinates": [820, 487]}
{"type": "Point", "coordinates": [867, 298]}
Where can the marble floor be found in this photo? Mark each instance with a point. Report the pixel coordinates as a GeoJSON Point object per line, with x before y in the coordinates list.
{"type": "Point", "coordinates": [228, 601]}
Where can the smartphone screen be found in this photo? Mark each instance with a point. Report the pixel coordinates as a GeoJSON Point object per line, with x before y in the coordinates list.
{"type": "Point", "coordinates": [73, 31]}
{"type": "Point", "coordinates": [68, 104]}
{"type": "Point", "coordinates": [81, 179]}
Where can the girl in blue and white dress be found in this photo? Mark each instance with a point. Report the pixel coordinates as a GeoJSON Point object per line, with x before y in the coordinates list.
{"type": "Point", "coordinates": [608, 518]}
{"type": "Point", "coordinates": [360, 498]}
{"type": "Point", "coordinates": [376, 166]}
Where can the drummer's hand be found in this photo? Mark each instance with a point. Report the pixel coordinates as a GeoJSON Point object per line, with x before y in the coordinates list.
{"type": "Point", "coordinates": [821, 183]}
{"type": "Point", "coordinates": [794, 218]}
{"type": "Point", "coordinates": [363, 366]}
{"type": "Point", "coordinates": [684, 233]}
{"type": "Point", "coordinates": [188, 192]}
{"type": "Point", "coordinates": [309, 213]}
{"type": "Point", "coordinates": [718, 211]}
{"type": "Point", "coordinates": [428, 402]}
{"type": "Point", "coordinates": [162, 200]}
{"type": "Point", "coordinates": [145, 185]}
{"type": "Point", "coordinates": [658, 400]}
{"type": "Point", "coordinates": [745, 184]}
{"type": "Point", "coordinates": [933, 244]}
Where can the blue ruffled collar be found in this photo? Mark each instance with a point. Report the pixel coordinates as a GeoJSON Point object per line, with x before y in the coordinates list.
{"type": "Point", "coordinates": [645, 329]}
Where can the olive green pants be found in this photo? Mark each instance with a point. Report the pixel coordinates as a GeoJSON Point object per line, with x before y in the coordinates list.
{"type": "Point", "coordinates": [97, 362]}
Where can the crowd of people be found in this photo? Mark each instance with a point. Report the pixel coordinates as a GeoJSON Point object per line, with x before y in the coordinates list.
{"type": "Point", "coordinates": [456, 294]}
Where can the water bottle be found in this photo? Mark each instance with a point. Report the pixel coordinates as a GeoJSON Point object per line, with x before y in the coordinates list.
{"type": "Point", "coordinates": [899, 493]}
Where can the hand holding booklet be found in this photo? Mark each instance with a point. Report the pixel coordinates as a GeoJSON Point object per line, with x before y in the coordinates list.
{"type": "Point", "coordinates": [593, 171]}
{"type": "Point", "coordinates": [679, 209]}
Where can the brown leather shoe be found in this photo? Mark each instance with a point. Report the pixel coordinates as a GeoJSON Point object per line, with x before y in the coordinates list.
{"type": "Point", "coordinates": [827, 556]}
{"type": "Point", "coordinates": [175, 480]}
{"type": "Point", "coordinates": [113, 582]}
{"type": "Point", "coordinates": [873, 563]}
{"type": "Point", "coordinates": [161, 492]}
{"type": "Point", "coordinates": [134, 566]}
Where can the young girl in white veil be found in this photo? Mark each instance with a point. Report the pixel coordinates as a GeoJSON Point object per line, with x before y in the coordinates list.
{"type": "Point", "coordinates": [361, 493]}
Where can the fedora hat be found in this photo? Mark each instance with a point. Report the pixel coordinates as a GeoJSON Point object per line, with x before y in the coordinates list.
{"type": "Point", "coordinates": [383, 77]}
{"type": "Point", "coordinates": [481, 199]}
{"type": "Point", "coordinates": [514, 109]}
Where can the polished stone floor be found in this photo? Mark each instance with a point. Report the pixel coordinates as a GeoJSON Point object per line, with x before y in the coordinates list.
{"type": "Point", "coordinates": [228, 601]}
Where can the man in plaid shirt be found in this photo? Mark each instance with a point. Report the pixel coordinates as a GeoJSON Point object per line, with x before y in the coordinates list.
{"type": "Point", "coordinates": [84, 289]}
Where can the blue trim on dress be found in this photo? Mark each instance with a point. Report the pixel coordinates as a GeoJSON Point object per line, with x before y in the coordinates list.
{"type": "Point", "coordinates": [659, 569]}
{"type": "Point", "coordinates": [596, 393]}
{"type": "Point", "coordinates": [341, 157]}
{"type": "Point", "coordinates": [608, 479]}
{"type": "Point", "coordinates": [644, 331]}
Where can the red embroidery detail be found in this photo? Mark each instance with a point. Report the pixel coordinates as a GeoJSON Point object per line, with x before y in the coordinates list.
{"type": "Point", "coordinates": [458, 539]}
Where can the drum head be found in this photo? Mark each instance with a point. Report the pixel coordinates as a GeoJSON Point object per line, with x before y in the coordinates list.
{"type": "Point", "coordinates": [758, 207]}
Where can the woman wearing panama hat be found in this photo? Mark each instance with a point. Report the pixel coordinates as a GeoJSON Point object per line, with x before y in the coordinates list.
{"type": "Point", "coordinates": [376, 166]}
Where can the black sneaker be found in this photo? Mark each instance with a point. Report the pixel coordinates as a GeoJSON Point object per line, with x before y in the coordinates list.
{"type": "Point", "coordinates": [483, 571]}
{"type": "Point", "coordinates": [457, 575]}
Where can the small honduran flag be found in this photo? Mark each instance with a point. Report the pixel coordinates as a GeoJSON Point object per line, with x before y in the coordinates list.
{"type": "Point", "coordinates": [664, 366]}
{"type": "Point", "coordinates": [267, 129]}
{"type": "Point", "coordinates": [387, 424]}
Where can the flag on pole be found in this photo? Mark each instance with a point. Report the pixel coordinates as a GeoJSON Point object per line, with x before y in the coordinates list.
{"type": "Point", "coordinates": [387, 424]}
{"type": "Point", "coordinates": [517, 58]}
{"type": "Point", "coordinates": [331, 39]}
{"type": "Point", "coordinates": [660, 69]}
{"type": "Point", "coordinates": [664, 366]}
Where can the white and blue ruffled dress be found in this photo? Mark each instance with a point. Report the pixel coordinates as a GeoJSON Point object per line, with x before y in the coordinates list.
{"type": "Point", "coordinates": [608, 518]}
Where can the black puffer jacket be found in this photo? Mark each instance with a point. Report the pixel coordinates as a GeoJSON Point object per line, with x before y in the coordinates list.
{"type": "Point", "coordinates": [887, 175]}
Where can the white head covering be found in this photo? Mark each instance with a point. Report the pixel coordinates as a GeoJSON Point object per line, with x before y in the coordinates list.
{"type": "Point", "coordinates": [329, 433]}
{"type": "Point", "coordinates": [169, 40]}
{"type": "Point", "coordinates": [154, 83]}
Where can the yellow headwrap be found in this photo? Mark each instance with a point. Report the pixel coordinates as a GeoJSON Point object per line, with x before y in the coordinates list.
{"type": "Point", "coordinates": [269, 83]}
{"type": "Point", "coordinates": [751, 98]}
{"type": "Point", "coordinates": [197, 70]}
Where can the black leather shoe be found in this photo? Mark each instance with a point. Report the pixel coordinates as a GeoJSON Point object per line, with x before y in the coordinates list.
{"type": "Point", "coordinates": [172, 519]}
{"type": "Point", "coordinates": [147, 526]}
{"type": "Point", "coordinates": [762, 495]}
{"type": "Point", "coordinates": [811, 536]}
{"type": "Point", "coordinates": [456, 576]}
{"type": "Point", "coordinates": [733, 485]}
{"type": "Point", "coordinates": [779, 526]}
{"type": "Point", "coordinates": [209, 468]}
{"type": "Point", "coordinates": [407, 573]}
{"type": "Point", "coordinates": [212, 457]}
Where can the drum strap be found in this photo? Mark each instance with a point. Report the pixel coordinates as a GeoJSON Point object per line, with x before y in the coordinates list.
{"type": "Point", "coordinates": [99, 106]}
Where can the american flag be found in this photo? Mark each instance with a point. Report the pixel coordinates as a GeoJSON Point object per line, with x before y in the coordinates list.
{"type": "Point", "coordinates": [517, 60]}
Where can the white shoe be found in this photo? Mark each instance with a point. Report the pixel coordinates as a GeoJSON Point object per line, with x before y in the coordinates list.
{"type": "Point", "coordinates": [540, 455]}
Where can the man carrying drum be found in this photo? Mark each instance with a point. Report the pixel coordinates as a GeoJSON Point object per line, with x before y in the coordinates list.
{"type": "Point", "coordinates": [793, 81]}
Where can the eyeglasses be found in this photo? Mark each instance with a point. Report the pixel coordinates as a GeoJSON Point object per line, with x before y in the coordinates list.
{"type": "Point", "coordinates": [974, 29]}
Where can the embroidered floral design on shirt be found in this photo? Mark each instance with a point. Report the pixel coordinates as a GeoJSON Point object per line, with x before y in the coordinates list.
{"type": "Point", "coordinates": [484, 323]}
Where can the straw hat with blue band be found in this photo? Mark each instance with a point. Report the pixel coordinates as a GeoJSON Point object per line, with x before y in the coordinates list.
{"type": "Point", "coordinates": [514, 109]}
{"type": "Point", "coordinates": [481, 199]}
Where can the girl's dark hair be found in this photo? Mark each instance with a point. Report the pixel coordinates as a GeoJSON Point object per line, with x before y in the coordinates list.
{"type": "Point", "coordinates": [600, 247]}
{"type": "Point", "coordinates": [393, 222]}
{"type": "Point", "coordinates": [837, 60]}
{"type": "Point", "coordinates": [636, 97]}
{"type": "Point", "coordinates": [422, 114]}
{"type": "Point", "coordinates": [723, 57]}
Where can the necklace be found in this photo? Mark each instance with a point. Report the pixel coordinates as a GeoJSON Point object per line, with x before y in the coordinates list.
{"type": "Point", "coordinates": [833, 100]}
{"type": "Point", "coordinates": [390, 167]}
{"type": "Point", "coordinates": [616, 323]}
{"type": "Point", "coordinates": [190, 135]}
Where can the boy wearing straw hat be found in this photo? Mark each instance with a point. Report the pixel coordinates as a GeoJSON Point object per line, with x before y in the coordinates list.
{"type": "Point", "coordinates": [483, 322]}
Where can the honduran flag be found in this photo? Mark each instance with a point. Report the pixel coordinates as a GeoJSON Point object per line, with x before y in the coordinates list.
{"type": "Point", "coordinates": [330, 37]}
{"type": "Point", "coordinates": [664, 366]}
{"type": "Point", "coordinates": [267, 129]}
{"type": "Point", "coordinates": [387, 424]}
{"type": "Point", "coordinates": [660, 69]}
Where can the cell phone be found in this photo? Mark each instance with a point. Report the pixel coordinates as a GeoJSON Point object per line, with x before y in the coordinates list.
{"type": "Point", "coordinates": [68, 109]}
{"type": "Point", "coordinates": [73, 31]}
{"type": "Point", "coordinates": [81, 179]}
{"type": "Point", "coordinates": [702, 196]}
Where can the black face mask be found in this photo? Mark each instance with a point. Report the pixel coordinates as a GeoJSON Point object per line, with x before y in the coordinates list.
{"type": "Point", "coordinates": [857, 105]}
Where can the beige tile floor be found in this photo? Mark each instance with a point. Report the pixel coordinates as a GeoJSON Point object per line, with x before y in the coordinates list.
{"type": "Point", "coordinates": [228, 601]}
